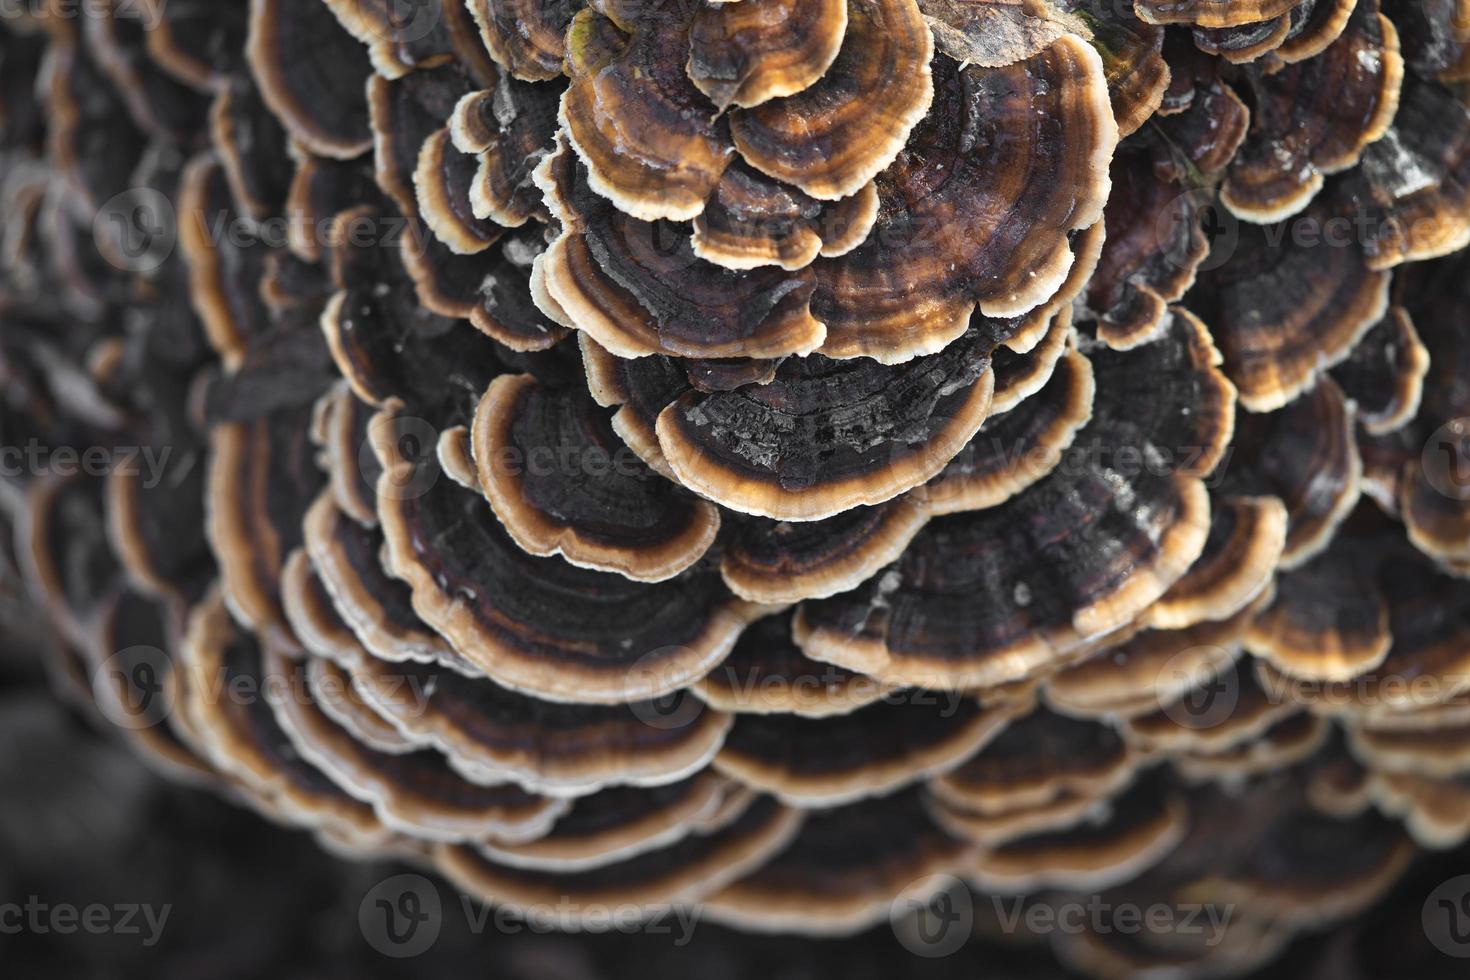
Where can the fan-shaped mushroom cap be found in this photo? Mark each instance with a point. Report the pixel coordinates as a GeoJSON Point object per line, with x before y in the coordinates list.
{"type": "Point", "coordinates": [155, 518]}
{"type": "Point", "coordinates": [825, 436]}
{"type": "Point", "coordinates": [312, 74]}
{"type": "Point", "coordinates": [1384, 375]}
{"type": "Point", "coordinates": [1284, 308]}
{"type": "Point", "coordinates": [1298, 737]}
{"type": "Point", "coordinates": [1139, 829]}
{"type": "Point", "coordinates": [1246, 43]}
{"type": "Point", "coordinates": [813, 762]}
{"type": "Point", "coordinates": [752, 220]}
{"type": "Point", "coordinates": [197, 44]}
{"type": "Point", "coordinates": [679, 873]}
{"type": "Point", "coordinates": [1013, 451]}
{"type": "Point", "coordinates": [262, 478]}
{"type": "Point", "coordinates": [1214, 726]}
{"type": "Point", "coordinates": [638, 288]}
{"type": "Point", "coordinates": [253, 148]}
{"type": "Point", "coordinates": [443, 180]}
{"type": "Point", "coordinates": [514, 125]}
{"type": "Point", "coordinates": [630, 520]}
{"type": "Point", "coordinates": [843, 871]}
{"type": "Point", "coordinates": [399, 42]}
{"type": "Point", "coordinates": [1439, 753]}
{"type": "Point", "coordinates": [1328, 621]}
{"type": "Point", "coordinates": [1212, 13]}
{"type": "Point", "coordinates": [1153, 250]}
{"type": "Point", "coordinates": [748, 53]}
{"type": "Point", "coordinates": [524, 37]}
{"type": "Point", "coordinates": [415, 792]}
{"type": "Point", "coordinates": [1315, 118]}
{"type": "Point", "coordinates": [1314, 26]}
{"type": "Point", "coordinates": [343, 431]}
{"type": "Point", "coordinates": [776, 562]}
{"type": "Point", "coordinates": [1039, 136]}
{"type": "Point", "coordinates": [1307, 455]}
{"type": "Point", "coordinates": [621, 823]}
{"type": "Point", "coordinates": [1247, 538]}
{"type": "Point", "coordinates": [1152, 670]}
{"type": "Point", "coordinates": [491, 734]}
{"type": "Point", "coordinates": [333, 692]}
{"type": "Point", "coordinates": [1435, 811]}
{"type": "Point", "coordinates": [767, 673]}
{"type": "Point", "coordinates": [1411, 193]}
{"type": "Point", "coordinates": [1038, 760]}
{"type": "Point", "coordinates": [405, 112]}
{"type": "Point", "coordinates": [610, 640]}
{"type": "Point", "coordinates": [1436, 37]}
{"type": "Point", "coordinates": [1202, 119]}
{"type": "Point", "coordinates": [1019, 376]}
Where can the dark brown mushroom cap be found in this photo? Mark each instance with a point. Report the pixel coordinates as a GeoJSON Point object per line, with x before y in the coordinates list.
{"type": "Point", "coordinates": [1019, 376]}
{"type": "Point", "coordinates": [1037, 135]}
{"type": "Point", "coordinates": [443, 181]}
{"type": "Point", "coordinates": [199, 44]}
{"type": "Point", "coordinates": [1133, 59]}
{"type": "Point", "coordinates": [1306, 454]}
{"type": "Point", "coordinates": [753, 220]}
{"type": "Point", "coordinates": [1013, 451]}
{"type": "Point", "coordinates": [262, 478]}
{"type": "Point", "coordinates": [1286, 743]}
{"type": "Point", "coordinates": [155, 518]}
{"type": "Point", "coordinates": [1154, 248]}
{"type": "Point", "coordinates": [653, 144]}
{"type": "Point", "coordinates": [821, 762]}
{"type": "Point", "coordinates": [1329, 621]}
{"type": "Point", "coordinates": [1439, 753]}
{"type": "Point", "coordinates": [542, 625]}
{"type": "Point", "coordinates": [1284, 308]}
{"type": "Point", "coordinates": [1247, 539]}
{"type": "Point", "coordinates": [1212, 13]}
{"type": "Point", "coordinates": [312, 74]}
{"type": "Point", "coordinates": [1203, 121]}
{"type": "Point", "coordinates": [1140, 828]}
{"type": "Point", "coordinates": [834, 136]}
{"type": "Point", "coordinates": [1035, 761]}
{"type": "Point", "coordinates": [378, 609]}
{"type": "Point", "coordinates": [564, 484]}
{"type": "Point", "coordinates": [253, 147]}
{"type": "Point", "coordinates": [224, 269]}
{"type": "Point", "coordinates": [1199, 724]}
{"type": "Point", "coordinates": [91, 137]}
{"type": "Point", "coordinates": [638, 288]}
{"type": "Point", "coordinates": [679, 873]}
{"type": "Point", "coordinates": [767, 673]}
{"type": "Point", "coordinates": [511, 128]}
{"type": "Point", "coordinates": [341, 430]}
{"type": "Point", "coordinates": [1314, 26]}
{"type": "Point", "coordinates": [223, 701]}
{"type": "Point", "coordinates": [398, 40]}
{"type": "Point", "coordinates": [621, 823]}
{"type": "Point", "coordinates": [334, 694]}
{"type": "Point", "coordinates": [843, 871]}
{"type": "Point", "coordinates": [321, 189]}
{"type": "Point", "coordinates": [1435, 811]}
{"type": "Point", "coordinates": [1436, 37]}
{"type": "Point", "coordinates": [782, 561]}
{"type": "Point", "coordinates": [415, 792]}
{"type": "Point", "coordinates": [525, 37]}
{"type": "Point", "coordinates": [313, 616]}
{"type": "Point", "coordinates": [1315, 118]}
{"type": "Point", "coordinates": [828, 435]}
{"type": "Point", "coordinates": [1153, 669]}
{"type": "Point", "coordinates": [405, 112]}
{"type": "Point", "coordinates": [748, 53]}
{"type": "Point", "coordinates": [1411, 193]}
{"type": "Point", "coordinates": [159, 104]}
{"type": "Point", "coordinates": [1245, 43]}
{"type": "Point", "coordinates": [1384, 375]}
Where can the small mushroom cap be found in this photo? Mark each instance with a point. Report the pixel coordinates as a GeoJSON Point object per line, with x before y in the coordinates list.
{"type": "Point", "coordinates": [630, 520]}
{"type": "Point", "coordinates": [817, 762]}
{"type": "Point", "coordinates": [843, 871]}
{"type": "Point", "coordinates": [253, 147]}
{"type": "Point", "coordinates": [621, 823]}
{"type": "Point", "coordinates": [747, 53]}
{"type": "Point", "coordinates": [1314, 118]}
{"type": "Point", "coordinates": [682, 872]}
{"type": "Point", "coordinates": [1328, 622]}
{"type": "Point", "coordinates": [333, 692]}
{"type": "Point", "coordinates": [767, 673]}
{"type": "Point", "coordinates": [312, 74]}
{"type": "Point", "coordinates": [1038, 135]}
{"type": "Point", "coordinates": [1318, 302]}
{"type": "Point", "coordinates": [524, 37]}
{"type": "Point", "coordinates": [404, 113]}
{"type": "Point", "coordinates": [834, 136]}
{"type": "Point", "coordinates": [519, 121]}
{"type": "Point", "coordinates": [397, 44]}
{"type": "Point", "coordinates": [1182, 729]}
{"type": "Point", "coordinates": [1384, 375]}
{"type": "Point", "coordinates": [1212, 13]}
{"type": "Point", "coordinates": [1314, 26]}
{"type": "Point", "coordinates": [827, 435]}
{"type": "Point", "coordinates": [1245, 43]}
{"type": "Point", "coordinates": [1441, 753]}
{"type": "Point", "coordinates": [493, 735]}
{"type": "Point", "coordinates": [610, 639]}
{"type": "Point", "coordinates": [776, 562]}
{"type": "Point", "coordinates": [1284, 744]}
{"type": "Point", "coordinates": [443, 180]}
{"type": "Point", "coordinates": [1247, 539]}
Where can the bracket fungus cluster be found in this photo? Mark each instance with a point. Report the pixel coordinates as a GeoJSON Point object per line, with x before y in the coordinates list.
{"type": "Point", "coordinates": [759, 454]}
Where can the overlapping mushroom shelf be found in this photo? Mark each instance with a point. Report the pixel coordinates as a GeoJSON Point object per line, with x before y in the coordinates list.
{"type": "Point", "coordinates": [763, 454]}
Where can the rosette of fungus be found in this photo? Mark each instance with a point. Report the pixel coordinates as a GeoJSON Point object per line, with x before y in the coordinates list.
{"type": "Point", "coordinates": [766, 455]}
